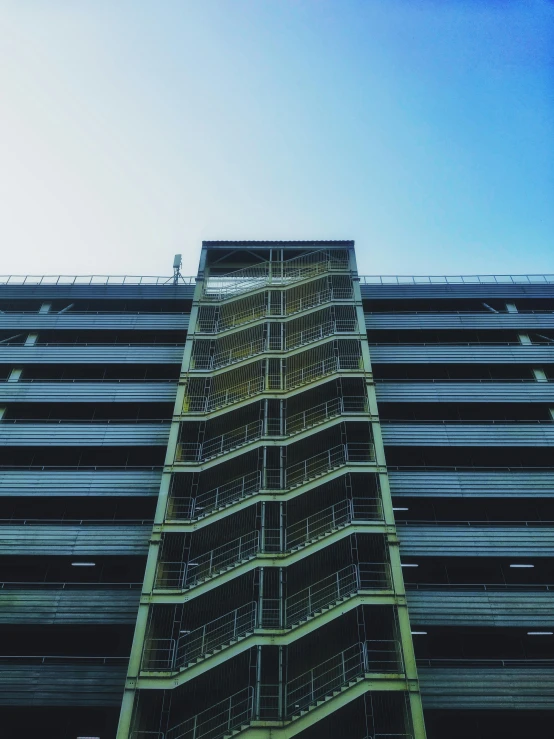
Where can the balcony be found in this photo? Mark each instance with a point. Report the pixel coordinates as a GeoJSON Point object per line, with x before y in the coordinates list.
{"type": "Point", "coordinates": [476, 539]}
{"type": "Point", "coordinates": [17, 354]}
{"type": "Point", "coordinates": [83, 391]}
{"type": "Point", "coordinates": [472, 391]}
{"type": "Point", "coordinates": [87, 433]}
{"type": "Point", "coordinates": [461, 354]}
{"type": "Point", "coordinates": [468, 433]}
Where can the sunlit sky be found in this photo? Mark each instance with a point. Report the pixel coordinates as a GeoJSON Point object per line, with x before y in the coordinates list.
{"type": "Point", "coordinates": [133, 129]}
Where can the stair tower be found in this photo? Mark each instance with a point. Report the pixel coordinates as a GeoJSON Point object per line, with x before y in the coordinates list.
{"type": "Point", "coordinates": [273, 602]}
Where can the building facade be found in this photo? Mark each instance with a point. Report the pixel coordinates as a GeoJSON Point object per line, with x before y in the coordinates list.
{"type": "Point", "coordinates": [277, 500]}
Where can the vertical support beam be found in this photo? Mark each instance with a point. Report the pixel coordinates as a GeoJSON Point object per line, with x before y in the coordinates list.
{"type": "Point", "coordinates": [539, 374]}
{"type": "Point", "coordinates": [15, 374]}
{"type": "Point", "coordinates": [31, 339]}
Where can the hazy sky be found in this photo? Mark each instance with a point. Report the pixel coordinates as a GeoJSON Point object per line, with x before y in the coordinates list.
{"type": "Point", "coordinates": [133, 129]}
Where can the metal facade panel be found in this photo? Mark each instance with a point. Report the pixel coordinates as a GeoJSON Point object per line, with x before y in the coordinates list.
{"type": "Point", "coordinates": [79, 482]}
{"type": "Point", "coordinates": [451, 391]}
{"type": "Point", "coordinates": [481, 608]}
{"type": "Point", "coordinates": [464, 687]}
{"type": "Point", "coordinates": [84, 434]}
{"type": "Point", "coordinates": [485, 320]}
{"type": "Point", "coordinates": [468, 434]}
{"type": "Point", "coordinates": [61, 684]}
{"type": "Point", "coordinates": [90, 354]}
{"type": "Point", "coordinates": [469, 483]}
{"type": "Point", "coordinates": [68, 539]}
{"type": "Point", "coordinates": [68, 606]}
{"type": "Point", "coordinates": [441, 290]}
{"type": "Point", "coordinates": [87, 392]}
{"type": "Point", "coordinates": [98, 321]}
{"type": "Point", "coordinates": [96, 290]}
{"type": "Point", "coordinates": [461, 354]}
{"type": "Point", "coordinates": [443, 540]}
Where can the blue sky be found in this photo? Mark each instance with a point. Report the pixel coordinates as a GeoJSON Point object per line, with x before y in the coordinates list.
{"type": "Point", "coordinates": [131, 130]}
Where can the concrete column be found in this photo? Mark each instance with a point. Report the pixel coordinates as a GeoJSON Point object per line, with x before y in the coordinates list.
{"type": "Point", "coordinates": [524, 338]}
{"type": "Point", "coordinates": [511, 308]}
{"type": "Point", "coordinates": [45, 308]}
{"type": "Point", "coordinates": [31, 339]}
{"type": "Point", "coordinates": [2, 412]}
{"type": "Point", "coordinates": [15, 374]}
{"type": "Point", "coordinates": [539, 374]}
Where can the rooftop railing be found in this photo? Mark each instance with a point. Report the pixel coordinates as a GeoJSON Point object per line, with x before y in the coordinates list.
{"type": "Point", "coordinates": [457, 279]}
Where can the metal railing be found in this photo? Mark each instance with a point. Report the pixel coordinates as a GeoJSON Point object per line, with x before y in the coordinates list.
{"type": "Point", "coordinates": [185, 575]}
{"type": "Point", "coordinates": [333, 588]}
{"type": "Point", "coordinates": [322, 368]}
{"type": "Point", "coordinates": [221, 287]}
{"type": "Point", "coordinates": [336, 516]}
{"type": "Point", "coordinates": [298, 422]}
{"type": "Point", "coordinates": [319, 464]}
{"type": "Point", "coordinates": [248, 315]}
{"type": "Point", "coordinates": [92, 280]}
{"type": "Point", "coordinates": [189, 508]}
{"type": "Point", "coordinates": [171, 654]}
{"type": "Point", "coordinates": [261, 345]}
{"type": "Point", "coordinates": [456, 279]}
{"type": "Point", "coordinates": [221, 719]}
{"type": "Point", "coordinates": [336, 673]}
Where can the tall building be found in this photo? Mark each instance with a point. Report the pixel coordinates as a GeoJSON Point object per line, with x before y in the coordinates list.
{"type": "Point", "coordinates": [277, 500]}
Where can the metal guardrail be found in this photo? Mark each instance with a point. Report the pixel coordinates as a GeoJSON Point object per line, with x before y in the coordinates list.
{"type": "Point", "coordinates": [456, 279]}
{"type": "Point", "coordinates": [169, 655]}
{"type": "Point", "coordinates": [218, 720]}
{"type": "Point", "coordinates": [260, 345]}
{"type": "Point", "coordinates": [65, 280]}
{"type": "Point", "coordinates": [298, 422]}
{"type": "Point", "coordinates": [243, 318]}
{"type": "Point", "coordinates": [44, 585]}
{"type": "Point", "coordinates": [453, 662]}
{"type": "Point", "coordinates": [185, 575]}
{"type": "Point", "coordinates": [221, 287]}
{"type": "Point", "coordinates": [492, 587]}
{"type": "Point", "coordinates": [189, 508]}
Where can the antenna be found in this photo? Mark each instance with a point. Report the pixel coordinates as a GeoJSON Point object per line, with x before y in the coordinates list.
{"type": "Point", "coordinates": [177, 261]}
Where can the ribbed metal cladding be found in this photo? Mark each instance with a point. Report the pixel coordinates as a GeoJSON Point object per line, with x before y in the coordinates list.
{"type": "Point", "coordinates": [476, 540]}
{"type": "Point", "coordinates": [87, 392]}
{"type": "Point", "coordinates": [462, 354]}
{"type": "Point", "coordinates": [79, 482]}
{"type": "Point", "coordinates": [445, 483]}
{"type": "Point", "coordinates": [469, 434]}
{"type": "Point", "coordinates": [450, 391]}
{"type": "Point", "coordinates": [90, 354]}
{"type": "Point", "coordinates": [90, 321]}
{"type": "Point", "coordinates": [270, 595]}
{"type": "Point", "coordinates": [530, 321]}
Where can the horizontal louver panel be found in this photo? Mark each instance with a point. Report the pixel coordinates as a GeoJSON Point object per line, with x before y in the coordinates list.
{"type": "Point", "coordinates": [69, 539]}
{"type": "Point", "coordinates": [79, 482]}
{"type": "Point", "coordinates": [468, 434]}
{"type": "Point", "coordinates": [527, 321]}
{"type": "Point", "coordinates": [455, 484]}
{"type": "Point", "coordinates": [465, 392]}
{"type": "Point", "coordinates": [442, 540]}
{"type": "Point", "coordinates": [85, 434]}
{"type": "Point", "coordinates": [68, 606]}
{"type": "Point", "coordinates": [91, 354]}
{"type": "Point", "coordinates": [487, 687]}
{"type": "Point", "coordinates": [61, 684]}
{"type": "Point", "coordinates": [511, 608]}
{"type": "Point", "coordinates": [99, 321]}
{"type": "Point", "coordinates": [461, 354]}
{"type": "Point", "coordinates": [87, 392]}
